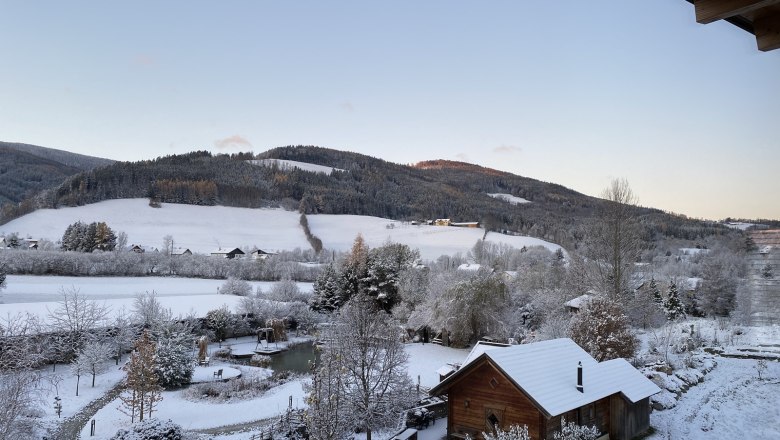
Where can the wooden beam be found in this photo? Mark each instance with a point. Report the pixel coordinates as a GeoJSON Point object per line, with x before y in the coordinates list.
{"type": "Point", "coordinates": [767, 29]}
{"type": "Point", "coordinates": [708, 11]}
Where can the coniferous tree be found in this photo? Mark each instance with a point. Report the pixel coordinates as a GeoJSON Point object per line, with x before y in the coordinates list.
{"type": "Point", "coordinates": [327, 294]}
{"type": "Point", "coordinates": [673, 305]}
{"type": "Point", "coordinates": [658, 300]}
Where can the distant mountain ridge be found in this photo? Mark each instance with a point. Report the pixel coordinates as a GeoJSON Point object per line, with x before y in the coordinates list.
{"type": "Point", "coordinates": [360, 185]}
{"type": "Point", "coordinates": [27, 169]}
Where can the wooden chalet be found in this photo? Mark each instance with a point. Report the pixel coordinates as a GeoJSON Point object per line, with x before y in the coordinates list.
{"type": "Point", "coordinates": [229, 253]}
{"type": "Point", "coordinates": [541, 383]}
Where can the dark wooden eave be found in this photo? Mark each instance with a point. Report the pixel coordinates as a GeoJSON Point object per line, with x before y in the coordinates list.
{"type": "Point", "coordinates": [759, 17]}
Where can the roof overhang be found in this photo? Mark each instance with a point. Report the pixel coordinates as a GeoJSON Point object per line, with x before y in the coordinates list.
{"type": "Point", "coordinates": [759, 17]}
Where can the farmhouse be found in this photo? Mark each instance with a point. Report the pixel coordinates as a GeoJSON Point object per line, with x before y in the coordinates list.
{"type": "Point", "coordinates": [228, 253]}
{"type": "Point", "coordinates": [177, 252]}
{"type": "Point", "coordinates": [442, 222]}
{"type": "Point", "coordinates": [541, 383]}
{"type": "Point", "coordinates": [137, 248]}
{"type": "Point", "coordinates": [260, 254]}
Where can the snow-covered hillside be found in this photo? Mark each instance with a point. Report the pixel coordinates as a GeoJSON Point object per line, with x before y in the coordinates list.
{"type": "Point", "coordinates": [205, 228]}
{"type": "Point", "coordinates": [290, 164]}
{"type": "Point", "coordinates": [509, 198]}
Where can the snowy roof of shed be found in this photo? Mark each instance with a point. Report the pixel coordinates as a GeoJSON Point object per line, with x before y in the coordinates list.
{"type": "Point", "coordinates": [578, 302]}
{"type": "Point", "coordinates": [547, 372]}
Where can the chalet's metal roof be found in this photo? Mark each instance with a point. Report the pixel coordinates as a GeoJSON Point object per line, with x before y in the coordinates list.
{"type": "Point", "coordinates": [547, 372]}
{"type": "Point", "coordinates": [759, 17]}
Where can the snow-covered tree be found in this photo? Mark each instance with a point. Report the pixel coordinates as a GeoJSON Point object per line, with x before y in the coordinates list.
{"type": "Point", "coordinates": [91, 359]}
{"type": "Point", "coordinates": [21, 346]}
{"type": "Point", "coordinates": [327, 292]}
{"type": "Point", "coordinates": [573, 431]}
{"type": "Point", "coordinates": [19, 402]}
{"type": "Point", "coordinates": [175, 361]}
{"type": "Point", "coordinates": [602, 329]}
{"type": "Point", "coordinates": [75, 316]}
{"type": "Point", "coordinates": [673, 305]}
{"type": "Point", "coordinates": [219, 321]}
{"type": "Point", "coordinates": [515, 432]}
{"type": "Point", "coordinates": [473, 308]}
{"type": "Point", "coordinates": [151, 429]}
{"type": "Point", "coordinates": [143, 390]}
{"type": "Point", "coordinates": [326, 415]}
{"type": "Point", "coordinates": [366, 344]}
{"type": "Point", "coordinates": [2, 277]}
{"type": "Point", "coordinates": [147, 310]}
{"type": "Point", "coordinates": [234, 286]}
{"type": "Point", "coordinates": [124, 333]}
{"type": "Point", "coordinates": [286, 290]}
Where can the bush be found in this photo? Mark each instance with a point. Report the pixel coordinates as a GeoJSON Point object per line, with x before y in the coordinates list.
{"type": "Point", "coordinates": [151, 429]}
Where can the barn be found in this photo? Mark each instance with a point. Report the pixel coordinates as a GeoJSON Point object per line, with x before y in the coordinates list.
{"type": "Point", "coordinates": [541, 383]}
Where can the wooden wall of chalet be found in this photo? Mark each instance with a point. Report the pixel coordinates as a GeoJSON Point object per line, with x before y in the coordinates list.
{"type": "Point", "coordinates": [600, 420]}
{"type": "Point", "coordinates": [628, 419]}
{"type": "Point", "coordinates": [511, 405]}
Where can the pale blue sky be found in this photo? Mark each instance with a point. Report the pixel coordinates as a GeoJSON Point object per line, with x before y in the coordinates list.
{"type": "Point", "coordinates": [571, 92]}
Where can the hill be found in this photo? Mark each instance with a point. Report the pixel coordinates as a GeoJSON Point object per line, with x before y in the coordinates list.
{"type": "Point", "coordinates": [29, 169]}
{"type": "Point", "coordinates": [205, 228]}
{"type": "Point", "coordinates": [357, 185]}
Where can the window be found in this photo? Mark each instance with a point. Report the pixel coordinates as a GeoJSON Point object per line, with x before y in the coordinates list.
{"type": "Point", "coordinates": [493, 418]}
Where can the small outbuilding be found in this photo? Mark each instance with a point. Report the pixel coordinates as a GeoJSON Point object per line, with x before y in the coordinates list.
{"type": "Point", "coordinates": [540, 384]}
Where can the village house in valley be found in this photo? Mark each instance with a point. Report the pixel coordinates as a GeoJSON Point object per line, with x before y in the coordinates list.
{"type": "Point", "coordinates": [538, 385]}
{"type": "Point", "coordinates": [228, 253]}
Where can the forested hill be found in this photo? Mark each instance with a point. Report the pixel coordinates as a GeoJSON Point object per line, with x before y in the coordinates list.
{"type": "Point", "coordinates": [27, 169]}
{"type": "Point", "coordinates": [362, 185]}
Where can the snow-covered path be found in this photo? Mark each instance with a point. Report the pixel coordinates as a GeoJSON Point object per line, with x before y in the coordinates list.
{"type": "Point", "coordinates": [731, 403]}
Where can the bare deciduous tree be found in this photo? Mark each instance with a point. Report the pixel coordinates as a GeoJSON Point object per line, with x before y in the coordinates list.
{"type": "Point", "coordinates": [613, 241]}
{"type": "Point", "coordinates": [365, 344]}
{"type": "Point", "coordinates": [76, 316]}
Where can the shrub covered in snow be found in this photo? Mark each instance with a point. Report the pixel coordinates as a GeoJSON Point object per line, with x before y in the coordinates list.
{"type": "Point", "coordinates": [151, 429]}
{"type": "Point", "coordinates": [235, 286]}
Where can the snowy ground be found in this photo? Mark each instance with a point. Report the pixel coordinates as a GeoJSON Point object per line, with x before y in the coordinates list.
{"type": "Point", "coordinates": [38, 295]}
{"type": "Point", "coordinates": [205, 228]}
{"type": "Point", "coordinates": [731, 403]}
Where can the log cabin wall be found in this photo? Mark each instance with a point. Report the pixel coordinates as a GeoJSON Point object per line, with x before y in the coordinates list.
{"type": "Point", "coordinates": [485, 392]}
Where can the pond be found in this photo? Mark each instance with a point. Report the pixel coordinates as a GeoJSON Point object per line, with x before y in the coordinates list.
{"type": "Point", "coordinates": [296, 359]}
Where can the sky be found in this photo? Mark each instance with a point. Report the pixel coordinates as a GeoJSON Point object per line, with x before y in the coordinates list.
{"type": "Point", "coordinates": [571, 92]}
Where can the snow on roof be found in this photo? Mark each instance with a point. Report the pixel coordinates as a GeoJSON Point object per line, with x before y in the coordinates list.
{"type": "Point", "coordinates": [547, 372]}
{"type": "Point", "coordinates": [227, 251]}
{"type": "Point", "coordinates": [479, 348]}
{"type": "Point", "coordinates": [578, 302]}
{"type": "Point", "coordinates": [765, 249]}
{"type": "Point", "coordinates": [469, 266]}
{"type": "Point", "coordinates": [445, 370]}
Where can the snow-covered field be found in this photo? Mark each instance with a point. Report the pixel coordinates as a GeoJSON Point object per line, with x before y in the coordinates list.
{"type": "Point", "coordinates": [339, 231]}
{"type": "Point", "coordinates": [183, 296]}
{"type": "Point", "coordinates": [205, 228]}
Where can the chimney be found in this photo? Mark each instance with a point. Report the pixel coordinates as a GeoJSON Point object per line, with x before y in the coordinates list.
{"type": "Point", "coordinates": [579, 377]}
